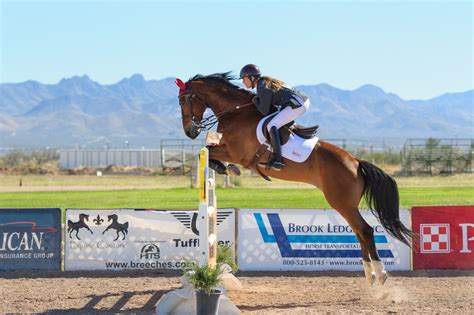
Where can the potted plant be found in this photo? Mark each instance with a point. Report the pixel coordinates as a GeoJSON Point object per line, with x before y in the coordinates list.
{"type": "Point", "coordinates": [205, 280]}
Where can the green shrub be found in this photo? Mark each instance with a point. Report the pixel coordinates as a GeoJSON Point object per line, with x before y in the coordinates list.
{"type": "Point", "coordinates": [225, 255]}
{"type": "Point", "coordinates": [203, 278]}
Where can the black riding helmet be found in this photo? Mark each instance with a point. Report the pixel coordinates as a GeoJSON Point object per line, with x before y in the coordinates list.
{"type": "Point", "coordinates": [249, 71]}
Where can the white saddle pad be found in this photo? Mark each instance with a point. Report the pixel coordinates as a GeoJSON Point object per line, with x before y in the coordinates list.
{"type": "Point", "coordinates": [296, 149]}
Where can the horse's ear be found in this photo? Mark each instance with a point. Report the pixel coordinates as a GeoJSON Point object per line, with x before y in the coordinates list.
{"type": "Point", "coordinates": [180, 84]}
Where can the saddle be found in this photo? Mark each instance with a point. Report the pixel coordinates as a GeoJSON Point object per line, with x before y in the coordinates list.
{"type": "Point", "coordinates": [285, 132]}
{"type": "Point", "coordinates": [290, 128]}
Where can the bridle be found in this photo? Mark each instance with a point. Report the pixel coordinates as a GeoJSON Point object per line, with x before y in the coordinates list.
{"type": "Point", "coordinates": [196, 122]}
{"type": "Point", "coordinates": [207, 122]}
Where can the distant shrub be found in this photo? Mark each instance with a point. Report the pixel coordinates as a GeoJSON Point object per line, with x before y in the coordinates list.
{"type": "Point", "coordinates": [378, 157]}
{"type": "Point", "coordinates": [35, 162]}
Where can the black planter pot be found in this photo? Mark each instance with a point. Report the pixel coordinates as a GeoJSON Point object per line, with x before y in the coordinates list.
{"type": "Point", "coordinates": [207, 303]}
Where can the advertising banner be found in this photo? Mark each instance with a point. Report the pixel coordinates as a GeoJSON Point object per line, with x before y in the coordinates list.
{"type": "Point", "coordinates": [311, 239]}
{"type": "Point", "coordinates": [118, 239]}
{"type": "Point", "coordinates": [30, 239]}
{"type": "Point", "coordinates": [446, 237]}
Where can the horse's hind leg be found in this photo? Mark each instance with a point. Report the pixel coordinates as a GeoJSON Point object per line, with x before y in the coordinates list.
{"type": "Point", "coordinates": [365, 234]}
{"type": "Point", "coordinates": [377, 264]}
{"type": "Point", "coordinates": [368, 271]}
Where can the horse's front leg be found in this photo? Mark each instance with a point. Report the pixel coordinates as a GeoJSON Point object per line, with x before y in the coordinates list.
{"type": "Point", "coordinates": [216, 155]}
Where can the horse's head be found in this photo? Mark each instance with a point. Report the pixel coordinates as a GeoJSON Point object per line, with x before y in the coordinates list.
{"type": "Point", "coordinates": [214, 91]}
{"type": "Point", "coordinates": [111, 217]}
{"type": "Point", "coordinates": [83, 216]}
{"type": "Point", "coordinates": [192, 109]}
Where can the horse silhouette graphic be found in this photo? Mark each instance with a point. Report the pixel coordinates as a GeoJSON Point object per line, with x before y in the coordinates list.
{"type": "Point", "coordinates": [119, 227]}
{"type": "Point", "coordinates": [76, 226]}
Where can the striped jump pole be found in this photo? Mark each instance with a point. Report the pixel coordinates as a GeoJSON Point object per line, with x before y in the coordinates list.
{"type": "Point", "coordinates": [207, 212]}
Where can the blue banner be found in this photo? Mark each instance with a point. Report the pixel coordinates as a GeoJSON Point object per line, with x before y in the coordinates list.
{"type": "Point", "coordinates": [30, 239]}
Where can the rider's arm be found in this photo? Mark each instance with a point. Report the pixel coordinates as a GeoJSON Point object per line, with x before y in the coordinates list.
{"type": "Point", "coordinates": [263, 100]}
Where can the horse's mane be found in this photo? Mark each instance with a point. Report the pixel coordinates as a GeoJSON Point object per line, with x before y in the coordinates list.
{"type": "Point", "coordinates": [222, 78]}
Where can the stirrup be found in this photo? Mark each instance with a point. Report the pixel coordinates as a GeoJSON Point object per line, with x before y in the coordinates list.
{"type": "Point", "coordinates": [275, 165]}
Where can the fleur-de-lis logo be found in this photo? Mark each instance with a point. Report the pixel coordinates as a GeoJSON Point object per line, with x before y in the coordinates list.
{"type": "Point", "coordinates": [98, 220]}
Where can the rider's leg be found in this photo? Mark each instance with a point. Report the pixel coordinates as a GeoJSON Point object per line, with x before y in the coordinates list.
{"type": "Point", "coordinates": [275, 162]}
{"type": "Point", "coordinates": [282, 118]}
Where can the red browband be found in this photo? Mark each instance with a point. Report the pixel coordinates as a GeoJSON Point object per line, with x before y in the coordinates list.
{"type": "Point", "coordinates": [181, 85]}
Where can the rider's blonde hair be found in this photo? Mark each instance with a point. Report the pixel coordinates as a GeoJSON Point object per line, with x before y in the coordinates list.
{"type": "Point", "coordinates": [272, 84]}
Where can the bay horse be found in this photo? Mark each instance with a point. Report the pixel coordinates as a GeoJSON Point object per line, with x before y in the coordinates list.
{"type": "Point", "coordinates": [343, 179]}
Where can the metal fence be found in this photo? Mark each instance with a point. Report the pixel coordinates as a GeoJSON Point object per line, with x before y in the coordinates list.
{"type": "Point", "coordinates": [437, 156]}
{"type": "Point", "coordinates": [173, 156]}
{"type": "Point", "coordinates": [178, 156]}
{"type": "Point", "coordinates": [72, 158]}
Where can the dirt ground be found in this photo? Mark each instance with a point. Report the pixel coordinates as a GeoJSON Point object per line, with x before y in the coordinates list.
{"type": "Point", "coordinates": [417, 292]}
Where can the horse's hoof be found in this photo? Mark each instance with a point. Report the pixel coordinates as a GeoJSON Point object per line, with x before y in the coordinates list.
{"type": "Point", "coordinates": [233, 170]}
{"type": "Point", "coordinates": [382, 278]}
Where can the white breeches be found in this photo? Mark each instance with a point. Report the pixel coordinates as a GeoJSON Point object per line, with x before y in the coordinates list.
{"type": "Point", "coordinates": [288, 114]}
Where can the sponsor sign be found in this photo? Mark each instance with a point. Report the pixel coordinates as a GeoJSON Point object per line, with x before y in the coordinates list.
{"type": "Point", "coordinates": [445, 237]}
{"type": "Point", "coordinates": [30, 239]}
{"type": "Point", "coordinates": [136, 239]}
{"type": "Point", "coordinates": [311, 239]}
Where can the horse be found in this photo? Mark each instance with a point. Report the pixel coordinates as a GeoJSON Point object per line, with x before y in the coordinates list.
{"type": "Point", "coordinates": [119, 227]}
{"type": "Point", "coordinates": [343, 179]}
{"type": "Point", "coordinates": [76, 226]}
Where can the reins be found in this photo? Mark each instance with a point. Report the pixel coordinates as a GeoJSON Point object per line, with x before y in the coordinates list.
{"type": "Point", "coordinates": [211, 120]}
{"type": "Point", "coordinates": [208, 122]}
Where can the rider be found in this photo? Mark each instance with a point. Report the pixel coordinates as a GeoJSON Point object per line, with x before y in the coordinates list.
{"type": "Point", "coordinates": [273, 95]}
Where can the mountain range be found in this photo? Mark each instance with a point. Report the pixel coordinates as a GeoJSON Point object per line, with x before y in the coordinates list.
{"type": "Point", "coordinates": [81, 112]}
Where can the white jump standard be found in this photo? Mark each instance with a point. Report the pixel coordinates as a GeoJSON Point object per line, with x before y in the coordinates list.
{"type": "Point", "coordinates": [183, 301]}
{"type": "Point", "coordinates": [207, 212]}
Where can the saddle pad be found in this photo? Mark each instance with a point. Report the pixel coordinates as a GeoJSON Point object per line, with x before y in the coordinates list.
{"type": "Point", "coordinates": [296, 149]}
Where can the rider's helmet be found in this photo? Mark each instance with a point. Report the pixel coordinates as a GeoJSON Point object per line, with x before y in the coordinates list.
{"type": "Point", "coordinates": [250, 70]}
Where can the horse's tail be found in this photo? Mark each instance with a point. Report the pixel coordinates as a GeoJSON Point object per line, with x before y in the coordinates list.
{"type": "Point", "coordinates": [381, 195]}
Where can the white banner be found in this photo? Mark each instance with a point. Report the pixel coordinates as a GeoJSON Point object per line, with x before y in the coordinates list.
{"type": "Point", "coordinates": [311, 239]}
{"type": "Point", "coordinates": [136, 239]}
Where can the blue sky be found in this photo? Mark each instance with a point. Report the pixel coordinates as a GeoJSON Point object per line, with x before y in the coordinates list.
{"type": "Point", "coordinates": [416, 49]}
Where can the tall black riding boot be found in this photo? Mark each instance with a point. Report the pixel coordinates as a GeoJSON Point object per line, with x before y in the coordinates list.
{"type": "Point", "coordinates": [275, 162]}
